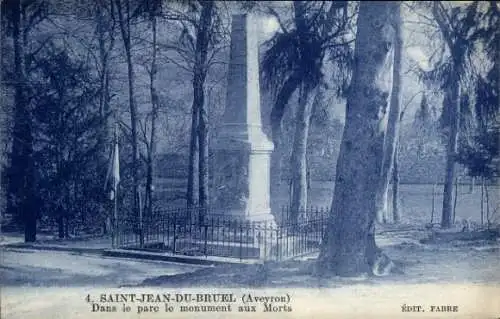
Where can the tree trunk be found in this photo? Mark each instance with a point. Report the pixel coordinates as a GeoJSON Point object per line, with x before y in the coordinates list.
{"type": "Point", "coordinates": [308, 177]}
{"type": "Point", "coordinates": [487, 196]}
{"type": "Point", "coordinates": [446, 217]}
{"type": "Point", "coordinates": [203, 157]}
{"type": "Point", "coordinates": [191, 195]}
{"type": "Point", "coordinates": [276, 174]}
{"type": "Point", "coordinates": [148, 193]}
{"type": "Point", "coordinates": [433, 201]}
{"type": "Point", "coordinates": [104, 19]}
{"type": "Point", "coordinates": [66, 227]}
{"type": "Point", "coordinates": [20, 190]}
{"type": "Point", "coordinates": [349, 246]}
{"type": "Point", "coordinates": [200, 73]}
{"type": "Point", "coordinates": [275, 187]}
{"type": "Point", "coordinates": [299, 155]}
{"type": "Point", "coordinates": [396, 211]}
{"type": "Point", "coordinates": [60, 225]}
{"type": "Point", "coordinates": [124, 19]}
{"type": "Point", "coordinates": [471, 185]}
{"type": "Point", "coordinates": [381, 203]}
{"type": "Point", "coordinates": [106, 44]}
{"type": "Point", "coordinates": [154, 115]}
{"type": "Point", "coordinates": [482, 201]}
{"type": "Point", "coordinates": [277, 113]}
{"type": "Point", "coordinates": [455, 199]}
{"type": "Point", "coordinates": [391, 138]}
{"type": "Point", "coordinates": [453, 92]}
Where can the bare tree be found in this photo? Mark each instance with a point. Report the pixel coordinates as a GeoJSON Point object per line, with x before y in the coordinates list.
{"type": "Point", "coordinates": [155, 105]}
{"type": "Point", "coordinates": [125, 13]}
{"type": "Point", "coordinates": [199, 43]}
{"type": "Point", "coordinates": [105, 28]}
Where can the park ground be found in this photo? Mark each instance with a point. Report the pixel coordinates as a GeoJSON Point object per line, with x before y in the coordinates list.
{"type": "Point", "coordinates": [49, 284]}
{"type": "Point", "coordinates": [446, 270]}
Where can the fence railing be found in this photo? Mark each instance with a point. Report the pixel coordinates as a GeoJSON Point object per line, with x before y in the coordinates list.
{"type": "Point", "coordinates": [199, 232]}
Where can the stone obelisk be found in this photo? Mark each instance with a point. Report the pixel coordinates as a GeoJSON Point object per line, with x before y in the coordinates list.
{"type": "Point", "coordinates": [242, 151]}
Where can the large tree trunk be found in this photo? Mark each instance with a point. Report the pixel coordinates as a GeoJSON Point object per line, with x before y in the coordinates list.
{"type": "Point", "coordinates": [299, 154]}
{"type": "Point", "coordinates": [451, 149]}
{"type": "Point", "coordinates": [124, 19]}
{"type": "Point", "coordinates": [20, 190]}
{"type": "Point", "coordinates": [391, 138]}
{"type": "Point", "coordinates": [349, 243]}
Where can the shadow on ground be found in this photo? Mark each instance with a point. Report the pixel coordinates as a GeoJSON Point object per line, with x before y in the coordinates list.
{"type": "Point", "coordinates": [420, 261]}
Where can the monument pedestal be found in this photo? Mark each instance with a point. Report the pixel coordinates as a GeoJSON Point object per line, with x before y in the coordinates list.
{"type": "Point", "coordinates": [241, 179]}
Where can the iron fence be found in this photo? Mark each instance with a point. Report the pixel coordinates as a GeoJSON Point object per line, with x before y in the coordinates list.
{"type": "Point", "coordinates": [201, 232]}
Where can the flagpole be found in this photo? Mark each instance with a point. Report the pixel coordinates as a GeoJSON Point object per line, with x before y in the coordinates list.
{"type": "Point", "coordinates": [115, 217]}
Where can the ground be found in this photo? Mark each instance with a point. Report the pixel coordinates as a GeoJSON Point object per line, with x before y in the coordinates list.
{"type": "Point", "coordinates": [472, 261]}
{"type": "Point", "coordinates": [456, 272]}
{"type": "Point", "coordinates": [457, 262]}
{"type": "Point", "coordinates": [27, 267]}
{"type": "Point", "coordinates": [47, 284]}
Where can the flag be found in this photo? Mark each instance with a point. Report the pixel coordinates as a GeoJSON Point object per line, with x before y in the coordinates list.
{"type": "Point", "coordinates": [116, 171]}
{"type": "Point", "coordinates": [113, 174]}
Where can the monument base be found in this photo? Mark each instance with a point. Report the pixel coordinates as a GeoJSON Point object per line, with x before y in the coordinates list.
{"type": "Point", "coordinates": [241, 179]}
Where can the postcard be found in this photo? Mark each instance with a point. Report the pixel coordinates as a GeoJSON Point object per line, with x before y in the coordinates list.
{"type": "Point", "coordinates": [268, 159]}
